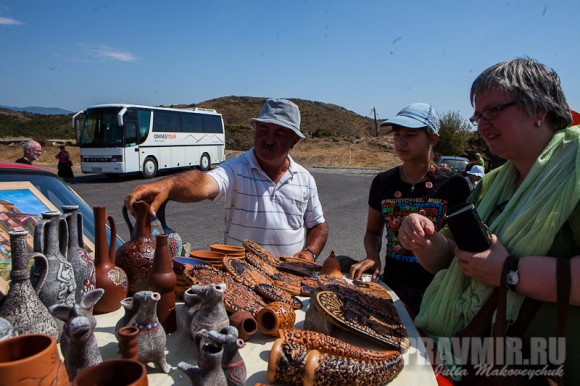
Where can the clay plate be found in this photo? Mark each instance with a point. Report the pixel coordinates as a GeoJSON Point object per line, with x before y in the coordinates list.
{"type": "Point", "coordinates": [358, 317]}
{"type": "Point", "coordinates": [277, 294]}
{"type": "Point", "coordinates": [238, 297]}
{"type": "Point", "coordinates": [262, 265]}
{"type": "Point", "coordinates": [245, 273]}
{"type": "Point", "coordinates": [262, 253]}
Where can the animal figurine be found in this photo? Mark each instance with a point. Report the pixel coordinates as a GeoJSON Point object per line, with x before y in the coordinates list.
{"type": "Point", "coordinates": [232, 362]}
{"type": "Point", "coordinates": [131, 306]}
{"type": "Point", "coordinates": [212, 314]}
{"type": "Point", "coordinates": [78, 343]}
{"type": "Point", "coordinates": [191, 304]}
{"type": "Point", "coordinates": [152, 338]}
{"type": "Point", "coordinates": [209, 370]}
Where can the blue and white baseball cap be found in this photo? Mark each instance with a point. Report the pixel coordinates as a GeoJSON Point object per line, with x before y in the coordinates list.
{"type": "Point", "coordinates": [416, 116]}
{"type": "Point", "coordinates": [281, 112]}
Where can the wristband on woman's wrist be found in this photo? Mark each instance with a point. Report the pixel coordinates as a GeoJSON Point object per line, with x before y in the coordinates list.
{"type": "Point", "coordinates": [312, 253]}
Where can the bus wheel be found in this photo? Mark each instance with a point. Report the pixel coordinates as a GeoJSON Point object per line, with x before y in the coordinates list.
{"type": "Point", "coordinates": [204, 162]}
{"type": "Point", "coordinates": [149, 168]}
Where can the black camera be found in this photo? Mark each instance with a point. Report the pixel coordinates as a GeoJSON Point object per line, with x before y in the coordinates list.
{"type": "Point", "coordinates": [469, 232]}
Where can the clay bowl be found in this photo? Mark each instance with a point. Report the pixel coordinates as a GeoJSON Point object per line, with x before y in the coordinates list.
{"type": "Point", "coordinates": [230, 250]}
{"type": "Point", "coordinates": [179, 265]}
{"type": "Point", "coordinates": [214, 258]}
{"type": "Point", "coordinates": [114, 372]}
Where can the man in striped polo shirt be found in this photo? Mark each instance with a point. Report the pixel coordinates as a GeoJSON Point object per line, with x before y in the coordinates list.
{"type": "Point", "coordinates": [268, 198]}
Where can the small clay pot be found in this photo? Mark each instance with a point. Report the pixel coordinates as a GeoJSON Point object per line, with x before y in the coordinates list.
{"type": "Point", "coordinates": [275, 316]}
{"type": "Point", "coordinates": [331, 266]}
{"type": "Point", "coordinates": [245, 323]}
{"type": "Point", "coordinates": [114, 372]}
{"type": "Point", "coordinates": [30, 357]}
{"type": "Point", "coordinates": [127, 337]}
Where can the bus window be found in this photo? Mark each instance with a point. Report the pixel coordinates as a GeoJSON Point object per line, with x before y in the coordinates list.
{"type": "Point", "coordinates": [191, 123]}
{"type": "Point", "coordinates": [212, 124]}
{"type": "Point", "coordinates": [144, 121]}
{"type": "Point", "coordinates": [166, 122]}
{"type": "Point", "coordinates": [130, 133]}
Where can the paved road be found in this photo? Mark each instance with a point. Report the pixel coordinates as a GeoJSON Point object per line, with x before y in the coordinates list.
{"type": "Point", "coordinates": [343, 196]}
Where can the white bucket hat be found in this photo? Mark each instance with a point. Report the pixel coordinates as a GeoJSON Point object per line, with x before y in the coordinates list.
{"type": "Point", "coordinates": [280, 112]}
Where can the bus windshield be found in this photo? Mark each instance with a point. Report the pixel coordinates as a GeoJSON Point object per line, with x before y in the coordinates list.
{"type": "Point", "coordinates": [101, 129]}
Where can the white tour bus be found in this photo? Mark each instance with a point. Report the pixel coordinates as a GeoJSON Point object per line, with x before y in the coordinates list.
{"type": "Point", "coordinates": [121, 138]}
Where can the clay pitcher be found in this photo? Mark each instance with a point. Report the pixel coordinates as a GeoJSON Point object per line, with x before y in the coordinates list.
{"type": "Point", "coordinates": [108, 276]}
{"type": "Point", "coordinates": [51, 239]}
{"type": "Point", "coordinates": [21, 306]}
{"type": "Point", "coordinates": [135, 257]}
{"type": "Point", "coordinates": [162, 279]}
{"type": "Point", "coordinates": [31, 360]}
{"type": "Point", "coordinates": [174, 241]}
{"type": "Point", "coordinates": [81, 261]}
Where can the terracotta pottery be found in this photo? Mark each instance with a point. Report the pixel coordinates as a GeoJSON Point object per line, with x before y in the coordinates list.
{"type": "Point", "coordinates": [214, 258]}
{"type": "Point", "coordinates": [233, 364]}
{"type": "Point", "coordinates": [275, 316]}
{"type": "Point", "coordinates": [22, 306]}
{"type": "Point", "coordinates": [151, 339]}
{"type": "Point", "coordinates": [209, 370]}
{"type": "Point", "coordinates": [135, 257]}
{"type": "Point", "coordinates": [78, 343]}
{"type": "Point", "coordinates": [174, 241]}
{"type": "Point", "coordinates": [230, 250]}
{"type": "Point", "coordinates": [245, 323]}
{"type": "Point", "coordinates": [51, 239]}
{"type": "Point", "coordinates": [191, 303]}
{"type": "Point", "coordinates": [331, 266]}
{"type": "Point", "coordinates": [31, 359]}
{"type": "Point", "coordinates": [179, 266]}
{"type": "Point", "coordinates": [127, 337]}
{"type": "Point", "coordinates": [162, 279]}
{"type": "Point", "coordinates": [262, 253]}
{"type": "Point", "coordinates": [211, 314]}
{"type": "Point", "coordinates": [109, 277]}
{"type": "Point", "coordinates": [114, 372]}
{"type": "Point", "coordinates": [130, 306]}
{"type": "Point", "coordinates": [81, 261]}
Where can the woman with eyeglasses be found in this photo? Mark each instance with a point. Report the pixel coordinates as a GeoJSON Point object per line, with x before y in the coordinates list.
{"type": "Point", "coordinates": [419, 185]}
{"type": "Point", "coordinates": [522, 113]}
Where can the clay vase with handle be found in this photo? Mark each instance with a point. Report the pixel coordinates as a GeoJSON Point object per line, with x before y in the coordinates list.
{"type": "Point", "coordinates": [31, 359]}
{"type": "Point", "coordinates": [135, 257]}
{"type": "Point", "coordinates": [22, 306]}
{"type": "Point", "coordinates": [81, 261]}
{"type": "Point", "coordinates": [51, 240]}
{"type": "Point", "coordinates": [108, 276]}
{"type": "Point", "coordinates": [162, 279]}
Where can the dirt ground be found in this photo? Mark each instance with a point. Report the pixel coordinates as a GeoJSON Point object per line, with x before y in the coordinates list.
{"type": "Point", "coordinates": [373, 152]}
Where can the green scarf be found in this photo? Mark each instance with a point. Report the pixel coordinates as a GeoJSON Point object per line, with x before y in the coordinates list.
{"type": "Point", "coordinates": [527, 226]}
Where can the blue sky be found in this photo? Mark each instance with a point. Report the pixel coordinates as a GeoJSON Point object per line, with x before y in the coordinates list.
{"type": "Point", "coordinates": [357, 54]}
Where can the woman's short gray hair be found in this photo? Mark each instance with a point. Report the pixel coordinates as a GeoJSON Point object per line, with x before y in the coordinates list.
{"type": "Point", "coordinates": [532, 85]}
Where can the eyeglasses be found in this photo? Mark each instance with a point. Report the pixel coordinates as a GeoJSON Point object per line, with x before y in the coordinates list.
{"type": "Point", "coordinates": [489, 114]}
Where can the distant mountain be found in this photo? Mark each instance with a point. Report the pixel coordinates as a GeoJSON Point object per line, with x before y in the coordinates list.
{"type": "Point", "coordinates": [39, 110]}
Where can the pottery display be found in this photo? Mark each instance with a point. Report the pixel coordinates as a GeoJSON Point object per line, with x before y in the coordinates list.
{"type": "Point", "coordinates": [174, 241]}
{"type": "Point", "coordinates": [245, 273]}
{"type": "Point", "coordinates": [216, 259]}
{"type": "Point", "coordinates": [130, 308]}
{"type": "Point", "coordinates": [51, 240]}
{"type": "Point", "coordinates": [179, 266]}
{"type": "Point", "coordinates": [331, 266]}
{"type": "Point", "coordinates": [78, 343]}
{"type": "Point", "coordinates": [151, 339]}
{"type": "Point", "coordinates": [275, 316]}
{"type": "Point", "coordinates": [233, 364]}
{"type": "Point", "coordinates": [127, 337]}
{"type": "Point", "coordinates": [298, 266]}
{"type": "Point", "coordinates": [31, 359]}
{"type": "Point", "coordinates": [191, 304]}
{"type": "Point", "coordinates": [277, 294]}
{"type": "Point", "coordinates": [352, 315]}
{"type": "Point", "coordinates": [209, 371]}
{"type": "Point", "coordinates": [211, 314]}
{"type": "Point", "coordinates": [262, 253]}
{"type": "Point", "coordinates": [315, 319]}
{"type": "Point", "coordinates": [114, 372]}
{"type": "Point", "coordinates": [109, 277]}
{"type": "Point", "coordinates": [162, 280]}
{"type": "Point", "coordinates": [238, 297]}
{"type": "Point", "coordinates": [230, 250]}
{"type": "Point", "coordinates": [245, 323]}
{"type": "Point", "coordinates": [81, 261]}
{"type": "Point", "coordinates": [135, 257]}
{"type": "Point", "coordinates": [21, 305]}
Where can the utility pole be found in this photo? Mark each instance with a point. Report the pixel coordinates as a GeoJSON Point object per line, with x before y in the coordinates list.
{"type": "Point", "coordinates": [376, 125]}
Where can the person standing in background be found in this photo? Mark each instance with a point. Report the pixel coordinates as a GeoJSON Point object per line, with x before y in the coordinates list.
{"type": "Point", "coordinates": [31, 151]}
{"type": "Point", "coordinates": [64, 164]}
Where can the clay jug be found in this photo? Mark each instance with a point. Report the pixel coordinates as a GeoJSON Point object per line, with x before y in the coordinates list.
{"type": "Point", "coordinates": [114, 372]}
{"type": "Point", "coordinates": [174, 241]}
{"type": "Point", "coordinates": [21, 306]}
{"type": "Point", "coordinates": [136, 255]}
{"type": "Point", "coordinates": [109, 277]}
{"type": "Point", "coordinates": [31, 359]}
{"type": "Point", "coordinates": [81, 261]}
{"type": "Point", "coordinates": [162, 279]}
{"type": "Point", "coordinates": [51, 239]}
{"type": "Point", "coordinates": [275, 316]}
{"type": "Point", "coordinates": [127, 337]}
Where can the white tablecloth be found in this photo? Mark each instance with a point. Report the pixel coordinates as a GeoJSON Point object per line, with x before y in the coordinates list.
{"type": "Point", "coordinates": [416, 371]}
